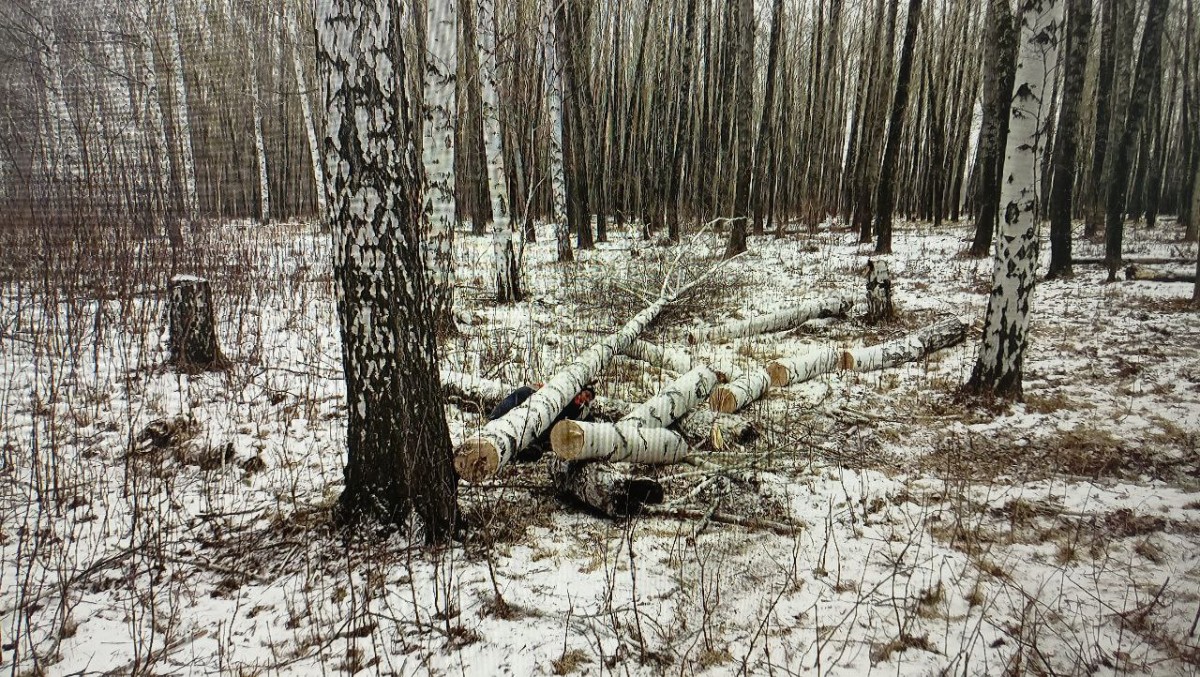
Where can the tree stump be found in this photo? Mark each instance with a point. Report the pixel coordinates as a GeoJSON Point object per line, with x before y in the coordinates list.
{"type": "Point", "coordinates": [193, 332]}
{"type": "Point", "coordinates": [879, 292]}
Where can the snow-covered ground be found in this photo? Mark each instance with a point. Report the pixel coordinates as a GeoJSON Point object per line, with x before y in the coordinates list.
{"type": "Point", "coordinates": [938, 534]}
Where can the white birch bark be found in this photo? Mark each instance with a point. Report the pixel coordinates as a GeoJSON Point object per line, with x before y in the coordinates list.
{"type": "Point", "coordinates": [674, 401]}
{"type": "Point", "coordinates": [665, 358]}
{"type": "Point", "coordinates": [624, 441]}
{"type": "Point", "coordinates": [1006, 325]}
{"type": "Point", "coordinates": [791, 370]}
{"type": "Point", "coordinates": [508, 283]}
{"type": "Point", "coordinates": [779, 321]}
{"type": "Point", "coordinates": [154, 124]}
{"type": "Point", "coordinates": [310, 129]}
{"type": "Point", "coordinates": [61, 147]}
{"type": "Point", "coordinates": [260, 146]}
{"type": "Point", "coordinates": [183, 125]}
{"type": "Point", "coordinates": [481, 455]}
{"type": "Point", "coordinates": [741, 391]}
{"type": "Point", "coordinates": [948, 332]}
{"type": "Point", "coordinates": [442, 57]}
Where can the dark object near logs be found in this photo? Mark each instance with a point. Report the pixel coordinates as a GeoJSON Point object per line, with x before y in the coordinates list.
{"type": "Point", "coordinates": [193, 337]}
{"type": "Point", "coordinates": [578, 409]}
{"type": "Point", "coordinates": [601, 487]}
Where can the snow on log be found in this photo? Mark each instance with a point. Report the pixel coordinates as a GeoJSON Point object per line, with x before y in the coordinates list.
{"type": "Point", "coordinates": [481, 455]}
{"type": "Point", "coordinates": [193, 334]}
{"type": "Point", "coordinates": [665, 358]}
{"type": "Point", "coordinates": [672, 402]}
{"type": "Point", "coordinates": [879, 291]}
{"type": "Point", "coordinates": [1136, 272]}
{"type": "Point", "coordinates": [808, 366]}
{"type": "Point", "coordinates": [602, 487]}
{"type": "Point", "coordinates": [780, 321]}
{"type": "Point", "coordinates": [741, 391]}
{"type": "Point", "coordinates": [944, 334]}
{"type": "Point", "coordinates": [625, 441]}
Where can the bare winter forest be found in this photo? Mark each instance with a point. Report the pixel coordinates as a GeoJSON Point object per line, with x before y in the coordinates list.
{"type": "Point", "coordinates": [631, 337]}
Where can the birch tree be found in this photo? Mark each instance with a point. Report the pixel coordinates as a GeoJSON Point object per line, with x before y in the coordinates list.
{"type": "Point", "coordinates": [1006, 326]}
{"type": "Point", "coordinates": [398, 444]}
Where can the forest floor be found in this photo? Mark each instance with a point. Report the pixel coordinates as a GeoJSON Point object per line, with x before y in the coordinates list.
{"type": "Point", "coordinates": [938, 534]}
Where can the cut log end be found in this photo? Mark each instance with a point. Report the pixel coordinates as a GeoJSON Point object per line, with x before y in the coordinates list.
{"type": "Point", "coordinates": [846, 361]}
{"type": "Point", "coordinates": [477, 459]}
{"type": "Point", "coordinates": [778, 374]}
{"type": "Point", "coordinates": [566, 439]}
{"type": "Point", "coordinates": [723, 401]}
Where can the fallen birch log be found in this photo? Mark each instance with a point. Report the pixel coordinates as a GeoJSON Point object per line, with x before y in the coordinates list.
{"type": "Point", "coordinates": [780, 321]}
{"type": "Point", "coordinates": [697, 426]}
{"type": "Point", "coordinates": [665, 358]}
{"type": "Point", "coordinates": [1135, 272]}
{"type": "Point", "coordinates": [808, 366]}
{"type": "Point", "coordinates": [602, 487]}
{"type": "Point", "coordinates": [741, 391]}
{"type": "Point", "coordinates": [950, 331]}
{"type": "Point", "coordinates": [484, 453]}
{"type": "Point", "coordinates": [621, 441]}
{"type": "Point", "coordinates": [641, 435]}
{"type": "Point", "coordinates": [753, 523]}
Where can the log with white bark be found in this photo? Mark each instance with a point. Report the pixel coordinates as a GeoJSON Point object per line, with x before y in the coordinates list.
{"type": "Point", "coordinates": [641, 435]}
{"type": "Point", "coordinates": [624, 441]}
{"type": "Point", "coordinates": [1144, 261]}
{"type": "Point", "coordinates": [1157, 275]}
{"type": "Point", "coordinates": [948, 332]}
{"type": "Point", "coordinates": [779, 321]}
{"type": "Point", "coordinates": [741, 391]}
{"type": "Point", "coordinates": [481, 455]}
{"type": "Point", "coordinates": [665, 358]}
{"type": "Point", "coordinates": [696, 426]}
{"type": "Point", "coordinates": [604, 488]}
{"type": "Point", "coordinates": [791, 370]}
{"type": "Point", "coordinates": [879, 291]}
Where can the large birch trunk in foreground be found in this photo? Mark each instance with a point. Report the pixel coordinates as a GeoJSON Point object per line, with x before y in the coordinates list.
{"type": "Point", "coordinates": [398, 444]}
{"type": "Point", "coordinates": [949, 332]}
{"type": "Point", "coordinates": [1006, 327]}
{"type": "Point", "coordinates": [481, 455]}
{"type": "Point", "coordinates": [780, 321]}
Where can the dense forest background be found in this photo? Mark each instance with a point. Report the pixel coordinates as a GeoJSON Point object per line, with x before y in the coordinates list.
{"type": "Point", "coordinates": [669, 113]}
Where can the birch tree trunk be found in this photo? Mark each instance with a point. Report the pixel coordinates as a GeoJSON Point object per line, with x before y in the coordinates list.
{"type": "Point", "coordinates": [666, 358]}
{"type": "Point", "coordinates": [1079, 24]}
{"type": "Point", "coordinates": [601, 487]}
{"type": "Point", "coordinates": [1000, 53]}
{"type": "Point", "coordinates": [398, 444]}
{"type": "Point", "coordinates": [738, 393]}
{"type": "Point", "coordinates": [183, 123]}
{"type": "Point", "coordinates": [472, 199]}
{"type": "Point", "coordinates": [742, 104]}
{"type": "Point", "coordinates": [439, 131]}
{"type": "Point", "coordinates": [61, 148]}
{"type": "Point", "coordinates": [260, 146]}
{"type": "Point", "coordinates": [1006, 326]}
{"type": "Point", "coordinates": [310, 129]}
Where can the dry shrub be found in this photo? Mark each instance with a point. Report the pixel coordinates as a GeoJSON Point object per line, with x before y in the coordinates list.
{"type": "Point", "coordinates": [569, 662]}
